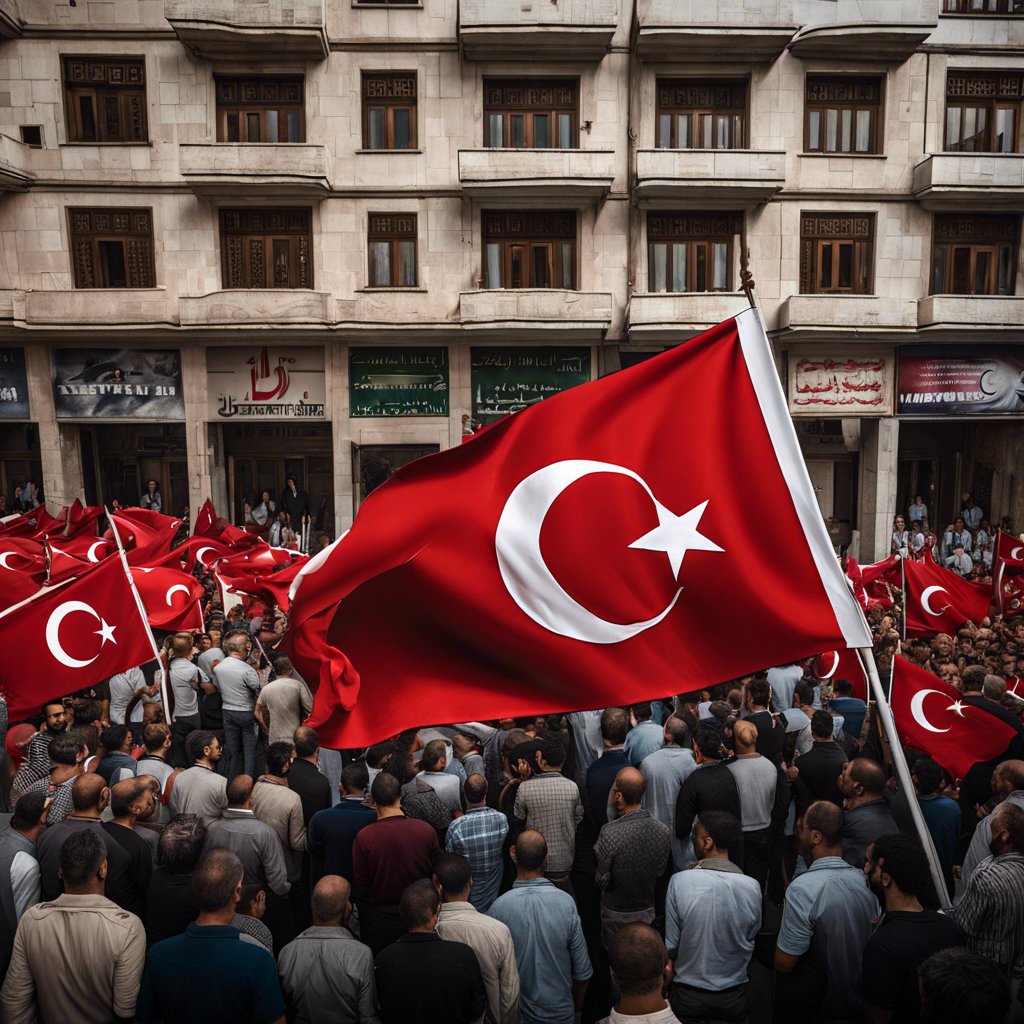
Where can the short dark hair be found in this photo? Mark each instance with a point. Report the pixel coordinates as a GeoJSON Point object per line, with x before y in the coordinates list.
{"type": "Point", "coordinates": [551, 751]}
{"type": "Point", "coordinates": [50, 704]}
{"type": "Point", "coordinates": [386, 790]}
{"type": "Point", "coordinates": [709, 742]}
{"type": "Point", "coordinates": [376, 753]}
{"type": "Point", "coordinates": [805, 692]}
{"type": "Point", "coordinates": [181, 844]}
{"type": "Point", "coordinates": [614, 726]}
{"type": "Point", "coordinates": [214, 880]}
{"type": "Point", "coordinates": [306, 740]}
{"type": "Point", "coordinates": [826, 818]}
{"type": "Point", "coordinates": [843, 687]}
{"type": "Point", "coordinates": [475, 788]}
{"type": "Point", "coordinates": [113, 736]}
{"type": "Point", "coordinates": [929, 777]}
{"type": "Point", "coordinates": [28, 810]}
{"type": "Point", "coordinates": [81, 855]}
{"type": "Point", "coordinates": [973, 679]}
{"type": "Point", "coordinates": [725, 830]}
{"type": "Point", "coordinates": [355, 777]}
{"type": "Point", "coordinates": [419, 903]}
{"type": "Point", "coordinates": [155, 734]}
{"type": "Point", "coordinates": [453, 872]}
{"type": "Point", "coordinates": [434, 756]}
{"type": "Point", "coordinates": [250, 890]}
{"type": "Point", "coordinates": [962, 986]}
{"type": "Point", "coordinates": [641, 711]}
{"type": "Point", "coordinates": [279, 756]}
{"type": "Point", "coordinates": [239, 789]}
{"type": "Point", "coordinates": [903, 860]}
{"type": "Point", "coordinates": [759, 692]}
{"type": "Point", "coordinates": [531, 850]}
{"type": "Point", "coordinates": [65, 747]}
{"type": "Point", "coordinates": [823, 725]}
{"type": "Point", "coordinates": [88, 710]}
{"type": "Point", "coordinates": [197, 742]}
{"type": "Point", "coordinates": [638, 958]}
{"type": "Point", "coordinates": [869, 773]}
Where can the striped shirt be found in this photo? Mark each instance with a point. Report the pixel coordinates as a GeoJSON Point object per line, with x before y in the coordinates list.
{"type": "Point", "coordinates": [478, 835]}
{"type": "Point", "coordinates": [991, 912]}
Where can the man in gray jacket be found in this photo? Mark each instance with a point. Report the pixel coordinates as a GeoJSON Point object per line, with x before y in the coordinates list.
{"type": "Point", "coordinates": [239, 686]}
{"type": "Point", "coordinates": [19, 869]}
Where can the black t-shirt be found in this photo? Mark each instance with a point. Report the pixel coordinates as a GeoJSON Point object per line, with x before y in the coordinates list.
{"type": "Point", "coordinates": [894, 953]}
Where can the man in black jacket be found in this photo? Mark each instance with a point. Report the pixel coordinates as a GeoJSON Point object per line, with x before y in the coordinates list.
{"type": "Point", "coordinates": [710, 787]}
{"type": "Point", "coordinates": [817, 771]}
{"type": "Point", "coordinates": [771, 734]}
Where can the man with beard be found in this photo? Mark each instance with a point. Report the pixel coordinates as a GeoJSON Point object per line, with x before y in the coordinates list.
{"type": "Point", "coordinates": [37, 755]}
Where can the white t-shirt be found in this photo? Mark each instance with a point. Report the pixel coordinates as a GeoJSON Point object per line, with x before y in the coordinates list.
{"type": "Point", "coordinates": [122, 687]}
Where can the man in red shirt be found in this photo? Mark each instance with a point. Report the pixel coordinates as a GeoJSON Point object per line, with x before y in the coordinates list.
{"type": "Point", "coordinates": [387, 855]}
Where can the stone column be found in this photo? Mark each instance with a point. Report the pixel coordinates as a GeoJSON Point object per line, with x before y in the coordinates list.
{"type": "Point", "coordinates": [336, 369]}
{"type": "Point", "coordinates": [879, 450]}
{"type": "Point", "coordinates": [60, 447]}
{"type": "Point", "coordinates": [197, 430]}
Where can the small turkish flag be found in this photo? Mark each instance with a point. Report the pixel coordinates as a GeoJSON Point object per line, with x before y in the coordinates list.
{"type": "Point", "coordinates": [594, 549]}
{"type": "Point", "coordinates": [77, 634]}
{"type": "Point", "coordinates": [930, 715]}
{"type": "Point", "coordinates": [939, 601]}
{"type": "Point", "coordinates": [842, 664]}
{"type": "Point", "coordinates": [145, 534]}
{"type": "Point", "coordinates": [202, 551]}
{"type": "Point", "coordinates": [206, 519]}
{"type": "Point", "coordinates": [262, 582]}
{"type": "Point", "coordinates": [171, 598]}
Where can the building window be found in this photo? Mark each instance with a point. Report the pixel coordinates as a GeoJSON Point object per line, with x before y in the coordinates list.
{"type": "Point", "coordinates": [701, 114]}
{"type": "Point", "coordinates": [974, 254]}
{"type": "Point", "coordinates": [835, 253]}
{"type": "Point", "coordinates": [105, 99]}
{"type": "Point", "coordinates": [983, 112]}
{"type": "Point", "coordinates": [690, 252]}
{"type": "Point", "coordinates": [266, 248]}
{"type": "Point", "coordinates": [531, 113]}
{"type": "Point", "coordinates": [389, 110]}
{"type": "Point", "coordinates": [112, 248]}
{"type": "Point", "coordinates": [392, 247]}
{"type": "Point", "coordinates": [1000, 7]}
{"type": "Point", "coordinates": [260, 109]}
{"type": "Point", "coordinates": [842, 115]}
{"type": "Point", "coordinates": [389, 3]}
{"type": "Point", "coordinates": [525, 249]}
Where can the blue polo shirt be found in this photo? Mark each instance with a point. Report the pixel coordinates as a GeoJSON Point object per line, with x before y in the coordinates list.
{"type": "Point", "coordinates": [209, 976]}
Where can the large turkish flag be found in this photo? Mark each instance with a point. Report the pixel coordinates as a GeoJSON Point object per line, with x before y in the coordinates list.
{"type": "Point", "coordinates": [651, 530]}
{"type": "Point", "coordinates": [72, 636]}
{"type": "Point", "coordinates": [939, 601]}
{"type": "Point", "coordinates": [931, 716]}
{"type": "Point", "coordinates": [171, 598]}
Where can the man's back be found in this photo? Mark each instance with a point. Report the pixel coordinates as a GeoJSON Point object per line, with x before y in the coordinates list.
{"type": "Point", "coordinates": [479, 836]}
{"type": "Point", "coordinates": [281, 809]}
{"type": "Point", "coordinates": [237, 683]}
{"type": "Point", "coordinates": [551, 804]}
{"type": "Point", "coordinates": [756, 782]}
{"type": "Point", "coordinates": [287, 702]}
{"type": "Point", "coordinates": [312, 786]}
{"type": "Point", "coordinates": [332, 833]}
{"type": "Point", "coordinates": [862, 826]}
{"type": "Point", "coordinates": [818, 777]}
{"type": "Point", "coordinates": [388, 855]}
{"type": "Point", "coordinates": [600, 776]}
{"type": "Point", "coordinates": [641, 740]}
{"type": "Point", "coordinates": [19, 886]}
{"type": "Point", "coordinates": [423, 978]}
{"type": "Point", "coordinates": [665, 771]}
{"type": "Point", "coordinates": [327, 975]}
{"type": "Point", "coordinates": [199, 790]}
{"type": "Point", "coordinates": [853, 710]}
{"type": "Point", "coordinates": [256, 845]}
{"type": "Point", "coordinates": [228, 981]}
{"type": "Point", "coordinates": [78, 958]}
{"type": "Point", "coordinates": [712, 787]}
{"type": "Point", "coordinates": [632, 852]}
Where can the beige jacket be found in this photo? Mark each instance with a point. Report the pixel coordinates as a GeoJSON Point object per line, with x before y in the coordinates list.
{"type": "Point", "coordinates": [87, 954]}
{"type": "Point", "coordinates": [281, 808]}
{"type": "Point", "coordinates": [492, 942]}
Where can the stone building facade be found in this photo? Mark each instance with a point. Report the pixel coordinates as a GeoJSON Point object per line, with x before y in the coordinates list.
{"type": "Point", "coordinates": [244, 239]}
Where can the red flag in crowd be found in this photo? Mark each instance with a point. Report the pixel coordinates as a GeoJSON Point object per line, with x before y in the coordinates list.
{"type": "Point", "coordinates": [930, 715]}
{"type": "Point", "coordinates": [1008, 573]}
{"type": "Point", "coordinates": [577, 554]}
{"type": "Point", "coordinates": [18, 524]}
{"type": "Point", "coordinates": [262, 582]}
{"type": "Point", "coordinates": [145, 534]}
{"type": "Point", "coordinates": [203, 551]}
{"type": "Point", "coordinates": [206, 517]}
{"type": "Point", "coordinates": [939, 601]}
{"type": "Point", "coordinates": [47, 524]}
{"type": "Point", "coordinates": [77, 633]}
{"type": "Point", "coordinates": [21, 555]}
{"type": "Point", "coordinates": [87, 547]}
{"type": "Point", "coordinates": [843, 664]}
{"type": "Point", "coordinates": [62, 565]}
{"type": "Point", "coordinates": [171, 598]}
{"type": "Point", "coordinates": [77, 517]}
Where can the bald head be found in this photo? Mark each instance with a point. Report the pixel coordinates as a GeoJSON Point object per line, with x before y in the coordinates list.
{"type": "Point", "coordinates": [89, 793]}
{"type": "Point", "coordinates": [867, 774]}
{"type": "Point", "coordinates": [330, 901]}
{"type": "Point", "coordinates": [629, 787]}
{"type": "Point", "coordinates": [1009, 775]}
{"type": "Point", "coordinates": [744, 737]}
{"type": "Point", "coordinates": [530, 853]}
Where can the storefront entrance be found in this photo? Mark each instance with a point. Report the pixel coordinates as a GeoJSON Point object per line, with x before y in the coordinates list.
{"type": "Point", "coordinates": [372, 464]}
{"type": "Point", "coordinates": [19, 460]}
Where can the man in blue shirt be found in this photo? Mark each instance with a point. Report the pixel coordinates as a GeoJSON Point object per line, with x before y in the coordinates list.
{"type": "Point", "coordinates": [853, 709]}
{"type": "Point", "coordinates": [551, 953]}
{"type": "Point", "coordinates": [941, 815]}
{"type": "Point", "coordinates": [479, 836]}
{"type": "Point", "coordinates": [212, 974]}
{"type": "Point", "coordinates": [333, 831]}
{"type": "Point", "coordinates": [645, 737]}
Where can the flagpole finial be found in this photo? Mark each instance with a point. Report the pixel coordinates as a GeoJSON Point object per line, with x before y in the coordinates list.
{"type": "Point", "coordinates": [747, 282]}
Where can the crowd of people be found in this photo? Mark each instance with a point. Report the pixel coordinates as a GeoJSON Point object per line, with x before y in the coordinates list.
{"type": "Point", "coordinates": [745, 853]}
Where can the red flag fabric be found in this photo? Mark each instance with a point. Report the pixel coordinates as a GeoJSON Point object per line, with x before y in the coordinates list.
{"type": "Point", "coordinates": [203, 551]}
{"type": "Point", "coordinates": [61, 565]}
{"type": "Point", "coordinates": [939, 601]}
{"type": "Point", "coordinates": [1008, 573]}
{"type": "Point", "coordinates": [930, 715]}
{"type": "Point", "coordinates": [84, 546]}
{"type": "Point", "coordinates": [21, 555]}
{"type": "Point", "coordinates": [77, 518]}
{"type": "Point", "coordinates": [843, 664]}
{"type": "Point", "coordinates": [77, 633]}
{"type": "Point", "coordinates": [205, 519]}
{"type": "Point", "coordinates": [18, 524]}
{"type": "Point", "coordinates": [587, 551]}
{"type": "Point", "coordinates": [263, 582]}
{"type": "Point", "coordinates": [145, 534]}
{"type": "Point", "coordinates": [171, 598]}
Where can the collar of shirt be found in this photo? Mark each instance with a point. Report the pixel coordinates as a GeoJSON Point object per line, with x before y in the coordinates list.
{"type": "Point", "coordinates": [83, 901]}
{"type": "Point", "coordinates": [212, 931]}
{"type": "Point", "coordinates": [273, 780]}
{"type": "Point", "coordinates": [828, 862]}
{"type": "Point", "coordinates": [327, 931]}
{"type": "Point", "coordinates": [717, 864]}
{"type": "Point", "coordinates": [237, 812]}
{"type": "Point", "coordinates": [523, 883]}
{"type": "Point", "coordinates": [457, 907]}
{"type": "Point", "coordinates": [420, 937]}
{"type": "Point", "coordinates": [353, 799]}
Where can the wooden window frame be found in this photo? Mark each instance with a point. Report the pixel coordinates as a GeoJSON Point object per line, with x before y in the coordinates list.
{"type": "Point", "coordinates": [389, 104]}
{"type": "Point", "coordinates": [693, 231]}
{"type": "Point", "coordinates": [995, 234]}
{"type": "Point", "coordinates": [394, 229]}
{"type": "Point", "coordinates": [989, 8]}
{"type": "Point", "coordinates": [258, 100]}
{"type": "Point", "coordinates": [695, 98]}
{"type": "Point", "coordinates": [271, 229]}
{"type": "Point", "coordinates": [132, 226]}
{"type": "Point", "coordinates": [541, 99]}
{"type": "Point", "coordinates": [523, 234]}
{"type": "Point", "coordinates": [113, 83]}
{"type": "Point", "coordinates": [822, 106]}
{"type": "Point", "coordinates": [991, 91]}
{"type": "Point", "coordinates": [829, 231]}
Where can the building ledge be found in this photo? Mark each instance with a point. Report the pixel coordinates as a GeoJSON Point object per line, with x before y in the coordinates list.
{"type": "Point", "coordinates": [840, 316]}
{"type": "Point", "coordinates": [891, 42]}
{"type": "Point", "coordinates": [261, 171]}
{"type": "Point", "coordinates": [263, 307]}
{"type": "Point", "coordinates": [110, 307]}
{"type": "Point", "coordinates": [970, 181]}
{"type": "Point", "coordinates": [676, 316]}
{"type": "Point", "coordinates": [1004, 314]}
{"type": "Point", "coordinates": [732, 179]}
{"type": "Point", "coordinates": [10, 21]}
{"type": "Point", "coordinates": [15, 161]}
{"type": "Point", "coordinates": [536, 30]}
{"type": "Point", "coordinates": [518, 312]}
{"type": "Point", "coordinates": [559, 175]}
{"type": "Point", "coordinates": [250, 30]}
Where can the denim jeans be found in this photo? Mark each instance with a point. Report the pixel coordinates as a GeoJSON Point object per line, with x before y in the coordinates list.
{"type": "Point", "coordinates": [240, 742]}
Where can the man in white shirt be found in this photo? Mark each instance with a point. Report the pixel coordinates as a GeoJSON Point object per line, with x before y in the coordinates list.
{"type": "Point", "coordinates": [960, 562]}
{"type": "Point", "coordinates": [665, 771]}
{"type": "Point", "coordinates": [128, 695]}
{"type": "Point", "coordinates": [444, 784]}
{"type": "Point", "coordinates": [783, 680]}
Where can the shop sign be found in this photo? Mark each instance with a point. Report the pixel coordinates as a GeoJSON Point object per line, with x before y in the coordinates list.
{"type": "Point", "coordinates": [398, 381]}
{"type": "Point", "coordinates": [13, 384]}
{"type": "Point", "coordinates": [265, 382]}
{"type": "Point", "coordinates": [828, 385]}
{"type": "Point", "coordinates": [961, 380]}
{"type": "Point", "coordinates": [505, 380]}
{"type": "Point", "coordinates": [117, 383]}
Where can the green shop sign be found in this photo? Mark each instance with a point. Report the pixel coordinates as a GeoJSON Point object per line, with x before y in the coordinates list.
{"type": "Point", "coordinates": [398, 381]}
{"type": "Point", "coordinates": [506, 380]}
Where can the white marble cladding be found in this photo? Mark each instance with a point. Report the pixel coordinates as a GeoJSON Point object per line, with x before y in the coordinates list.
{"type": "Point", "coordinates": [960, 312]}
{"type": "Point", "coordinates": [534, 305]}
{"type": "Point", "coordinates": [554, 170]}
{"type": "Point", "coordinates": [680, 314]}
{"type": "Point", "coordinates": [984, 180]}
{"type": "Point", "coordinates": [261, 168]}
{"type": "Point", "coordinates": [575, 13]}
{"type": "Point", "coordinates": [743, 175]}
{"type": "Point", "coordinates": [249, 13]}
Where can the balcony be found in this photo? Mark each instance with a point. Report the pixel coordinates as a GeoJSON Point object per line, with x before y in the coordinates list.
{"type": "Point", "coordinates": [750, 31]}
{"type": "Point", "coordinates": [558, 175]}
{"type": "Point", "coordinates": [536, 30]}
{"type": "Point", "coordinates": [15, 161]}
{"type": "Point", "coordinates": [674, 316]}
{"type": "Point", "coordinates": [874, 30]}
{"type": "Point", "coordinates": [250, 30]}
{"type": "Point", "coordinates": [256, 307]}
{"type": "Point", "coordinates": [399, 310]}
{"type": "Point", "coordinates": [10, 21]}
{"type": "Point", "coordinates": [993, 314]}
{"type": "Point", "coordinates": [109, 307]}
{"type": "Point", "coordinates": [971, 181]}
{"type": "Point", "coordinates": [505, 313]}
{"type": "Point", "coordinates": [256, 171]}
{"type": "Point", "coordinates": [827, 317]}
{"type": "Point", "coordinates": [725, 179]}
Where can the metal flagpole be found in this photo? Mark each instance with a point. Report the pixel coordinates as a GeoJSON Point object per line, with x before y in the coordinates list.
{"type": "Point", "coordinates": [903, 774]}
{"type": "Point", "coordinates": [145, 620]}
